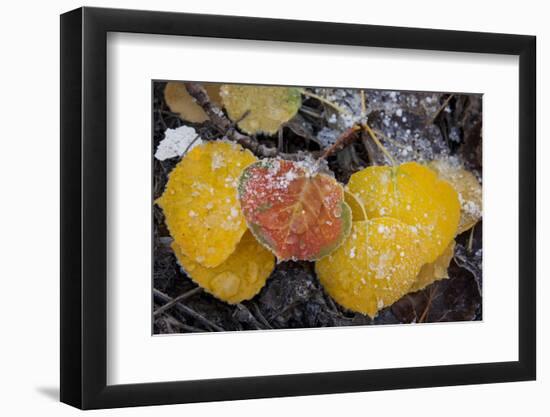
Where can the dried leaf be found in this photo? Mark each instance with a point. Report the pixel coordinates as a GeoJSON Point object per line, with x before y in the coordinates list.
{"type": "Point", "coordinates": [374, 267]}
{"type": "Point", "coordinates": [434, 271]}
{"type": "Point", "coordinates": [260, 109]}
{"type": "Point", "coordinates": [468, 188]}
{"type": "Point", "coordinates": [454, 299]}
{"type": "Point", "coordinates": [293, 210]}
{"type": "Point", "coordinates": [200, 201]}
{"type": "Point", "coordinates": [240, 277]}
{"type": "Point", "coordinates": [415, 195]}
{"type": "Point", "coordinates": [181, 102]}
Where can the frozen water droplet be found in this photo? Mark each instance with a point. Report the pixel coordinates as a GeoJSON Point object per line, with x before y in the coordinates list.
{"type": "Point", "coordinates": [253, 272]}
{"type": "Point", "coordinates": [226, 284]}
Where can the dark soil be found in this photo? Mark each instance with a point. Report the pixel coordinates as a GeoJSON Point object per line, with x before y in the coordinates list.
{"type": "Point", "coordinates": [419, 126]}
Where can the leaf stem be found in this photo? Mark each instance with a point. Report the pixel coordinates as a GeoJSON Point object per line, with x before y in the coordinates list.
{"type": "Point", "coordinates": [379, 144]}
{"type": "Point", "coordinates": [471, 239]}
{"type": "Point", "coordinates": [363, 105]}
{"type": "Point", "coordinates": [324, 100]}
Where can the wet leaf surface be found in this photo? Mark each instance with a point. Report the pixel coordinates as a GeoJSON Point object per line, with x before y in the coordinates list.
{"type": "Point", "coordinates": [294, 210]}
{"type": "Point", "coordinates": [467, 187]}
{"type": "Point", "coordinates": [415, 195]}
{"type": "Point", "coordinates": [200, 204]}
{"type": "Point", "coordinates": [374, 267]}
{"type": "Point", "coordinates": [240, 277]}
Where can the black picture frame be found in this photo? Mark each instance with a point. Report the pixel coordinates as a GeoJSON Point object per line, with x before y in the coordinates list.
{"type": "Point", "coordinates": [84, 207]}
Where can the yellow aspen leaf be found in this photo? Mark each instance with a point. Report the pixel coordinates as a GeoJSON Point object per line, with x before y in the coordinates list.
{"type": "Point", "coordinates": [181, 102]}
{"type": "Point", "coordinates": [200, 203]}
{"type": "Point", "coordinates": [375, 266]}
{"type": "Point", "coordinates": [293, 210]}
{"type": "Point", "coordinates": [358, 212]}
{"type": "Point", "coordinates": [240, 277]}
{"type": "Point", "coordinates": [434, 271]}
{"type": "Point", "coordinates": [468, 188]}
{"type": "Point", "coordinates": [415, 195]}
{"type": "Point", "coordinates": [260, 109]}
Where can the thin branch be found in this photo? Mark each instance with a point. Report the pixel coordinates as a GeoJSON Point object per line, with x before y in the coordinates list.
{"type": "Point", "coordinates": [218, 118]}
{"type": "Point", "coordinates": [445, 103]}
{"type": "Point", "coordinates": [347, 137]}
{"type": "Point", "coordinates": [171, 320]}
{"type": "Point", "coordinates": [176, 300]}
{"type": "Point", "coordinates": [261, 317]}
{"type": "Point", "coordinates": [253, 320]}
{"type": "Point", "coordinates": [310, 112]}
{"type": "Point", "coordinates": [190, 145]}
{"type": "Point", "coordinates": [188, 311]}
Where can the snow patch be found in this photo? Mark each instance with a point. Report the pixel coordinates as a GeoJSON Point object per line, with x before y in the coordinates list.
{"type": "Point", "coordinates": [176, 141]}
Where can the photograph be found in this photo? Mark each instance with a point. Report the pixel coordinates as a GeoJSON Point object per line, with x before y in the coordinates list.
{"type": "Point", "coordinates": [293, 207]}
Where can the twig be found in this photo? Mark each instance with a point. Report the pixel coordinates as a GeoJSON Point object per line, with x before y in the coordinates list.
{"type": "Point", "coordinates": [310, 112]}
{"type": "Point", "coordinates": [190, 144]}
{"type": "Point", "coordinates": [176, 300]}
{"type": "Point", "coordinates": [347, 137]}
{"type": "Point", "coordinates": [375, 156]}
{"type": "Point", "coordinates": [169, 319]}
{"type": "Point", "coordinates": [161, 119]}
{"type": "Point", "coordinates": [253, 320]}
{"type": "Point", "coordinates": [280, 140]}
{"type": "Point", "coordinates": [218, 118]}
{"type": "Point", "coordinates": [445, 103]}
{"type": "Point", "coordinates": [284, 310]}
{"type": "Point", "coordinates": [186, 310]}
{"type": "Point", "coordinates": [261, 316]}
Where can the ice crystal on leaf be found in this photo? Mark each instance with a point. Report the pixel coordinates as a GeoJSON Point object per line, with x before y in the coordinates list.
{"type": "Point", "coordinates": [415, 195]}
{"type": "Point", "coordinates": [294, 210]}
{"type": "Point", "coordinates": [357, 209]}
{"type": "Point", "coordinates": [260, 109]}
{"type": "Point", "coordinates": [468, 188]}
{"type": "Point", "coordinates": [200, 202]}
{"type": "Point", "coordinates": [434, 271]}
{"type": "Point", "coordinates": [240, 277]}
{"type": "Point", "coordinates": [374, 267]}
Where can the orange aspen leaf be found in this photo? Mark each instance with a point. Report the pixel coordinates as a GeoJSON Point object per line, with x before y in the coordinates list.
{"type": "Point", "coordinates": [295, 211]}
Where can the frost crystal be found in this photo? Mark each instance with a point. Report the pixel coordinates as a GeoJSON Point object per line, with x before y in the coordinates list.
{"type": "Point", "coordinates": [176, 141]}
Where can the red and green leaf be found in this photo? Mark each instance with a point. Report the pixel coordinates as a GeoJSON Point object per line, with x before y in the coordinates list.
{"type": "Point", "coordinates": [295, 212]}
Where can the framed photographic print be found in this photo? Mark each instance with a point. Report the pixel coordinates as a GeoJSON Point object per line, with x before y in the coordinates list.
{"type": "Point", "coordinates": [257, 208]}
